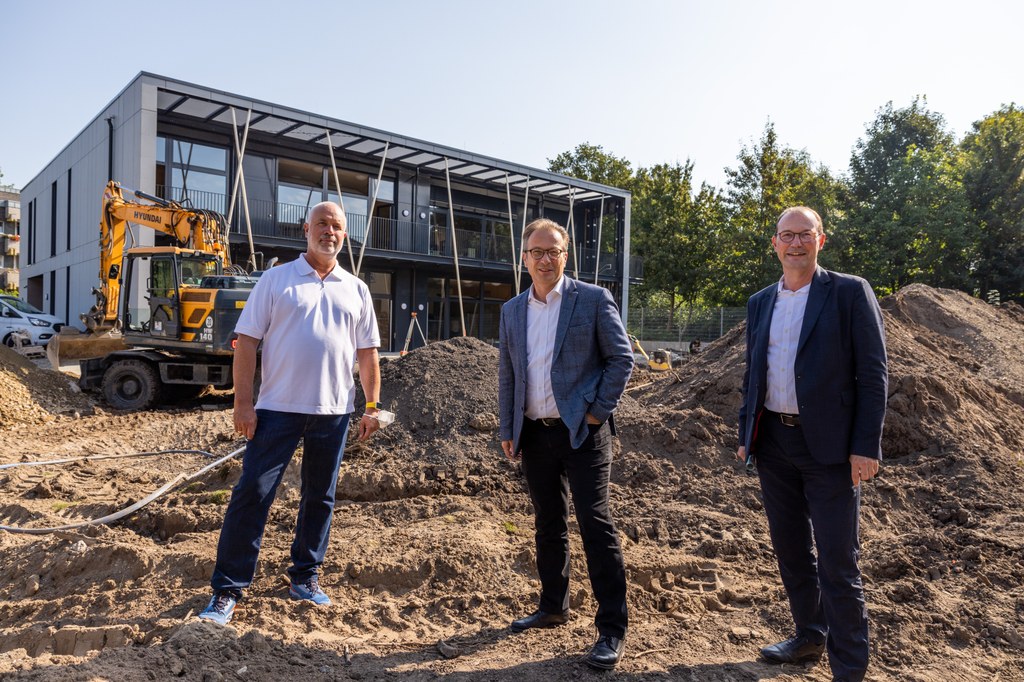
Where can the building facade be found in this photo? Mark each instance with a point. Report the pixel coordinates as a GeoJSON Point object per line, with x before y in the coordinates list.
{"type": "Point", "coordinates": [426, 222]}
{"type": "Point", "coordinates": [10, 238]}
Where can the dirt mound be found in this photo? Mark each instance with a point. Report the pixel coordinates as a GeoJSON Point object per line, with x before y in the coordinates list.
{"type": "Point", "coordinates": [432, 548]}
{"type": "Point", "coordinates": [980, 339]}
{"type": "Point", "coordinates": [31, 395]}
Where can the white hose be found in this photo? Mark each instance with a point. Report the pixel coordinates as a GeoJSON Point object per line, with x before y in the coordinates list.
{"type": "Point", "coordinates": [180, 478]}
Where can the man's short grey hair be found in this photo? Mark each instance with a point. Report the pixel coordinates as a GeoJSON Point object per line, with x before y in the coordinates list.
{"type": "Point", "coordinates": [544, 224]}
{"type": "Point", "coordinates": [344, 218]}
{"type": "Point", "coordinates": [807, 211]}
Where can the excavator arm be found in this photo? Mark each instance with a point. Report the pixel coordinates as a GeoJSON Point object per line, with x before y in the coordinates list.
{"type": "Point", "coordinates": [192, 228]}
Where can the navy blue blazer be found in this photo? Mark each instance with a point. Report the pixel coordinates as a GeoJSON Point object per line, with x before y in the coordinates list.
{"type": "Point", "coordinates": [591, 365]}
{"type": "Point", "coordinates": [841, 368]}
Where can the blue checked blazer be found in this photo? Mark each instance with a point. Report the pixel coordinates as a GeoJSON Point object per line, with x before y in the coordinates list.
{"type": "Point", "coordinates": [591, 365]}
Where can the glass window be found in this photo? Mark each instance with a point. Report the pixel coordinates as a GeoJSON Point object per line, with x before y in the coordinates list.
{"type": "Point", "coordinates": [301, 173]}
{"type": "Point", "coordinates": [490, 321]}
{"type": "Point", "coordinates": [351, 182]}
{"type": "Point", "coordinates": [379, 283]}
{"type": "Point", "coordinates": [198, 180]}
{"type": "Point", "coordinates": [192, 155]}
{"type": "Point", "coordinates": [497, 291]}
{"type": "Point", "coordinates": [468, 236]}
{"type": "Point", "coordinates": [204, 190]}
{"type": "Point", "coordinates": [498, 241]}
{"type": "Point", "coordinates": [470, 289]}
{"type": "Point", "coordinates": [386, 193]}
{"type": "Point", "coordinates": [435, 288]}
{"type": "Point", "coordinates": [193, 269]}
{"type": "Point", "coordinates": [438, 232]}
{"type": "Point", "coordinates": [382, 307]}
{"type": "Point", "coordinates": [161, 150]}
{"type": "Point", "coordinates": [293, 203]}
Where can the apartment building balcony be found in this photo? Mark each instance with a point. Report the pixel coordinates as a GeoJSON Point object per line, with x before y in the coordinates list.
{"type": "Point", "coordinates": [411, 240]}
{"type": "Point", "coordinates": [10, 244]}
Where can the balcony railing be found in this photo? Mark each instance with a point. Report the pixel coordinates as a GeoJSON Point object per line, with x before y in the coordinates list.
{"type": "Point", "coordinates": [277, 220]}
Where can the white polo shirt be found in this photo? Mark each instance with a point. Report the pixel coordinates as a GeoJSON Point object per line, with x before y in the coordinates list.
{"type": "Point", "coordinates": [310, 329]}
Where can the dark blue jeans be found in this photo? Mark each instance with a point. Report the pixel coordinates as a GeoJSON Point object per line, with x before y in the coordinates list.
{"type": "Point", "coordinates": [813, 506]}
{"type": "Point", "coordinates": [266, 457]}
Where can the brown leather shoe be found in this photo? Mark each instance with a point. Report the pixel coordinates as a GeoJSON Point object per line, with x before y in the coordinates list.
{"type": "Point", "coordinates": [539, 619]}
{"type": "Point", "coordinates": [793, 650]}
{"type": "Point", "coordinates": [605, 653]}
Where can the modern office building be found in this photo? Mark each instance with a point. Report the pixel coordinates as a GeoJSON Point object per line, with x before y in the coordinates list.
{"type": "Point", "coordinates": [423, 218]}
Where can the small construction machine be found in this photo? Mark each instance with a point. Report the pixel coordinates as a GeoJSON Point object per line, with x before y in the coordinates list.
{"type": "Point", "coordinates": [163, 323]}
{"type": "Point", "coordinates": [660, 360]}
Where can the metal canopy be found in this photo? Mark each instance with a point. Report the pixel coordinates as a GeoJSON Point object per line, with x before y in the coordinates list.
{"type": "Point", "coordinates": [207, 106]}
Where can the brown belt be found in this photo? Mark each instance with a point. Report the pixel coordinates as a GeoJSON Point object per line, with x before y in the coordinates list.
{"type": "Point", "coordinates": [786, 419]}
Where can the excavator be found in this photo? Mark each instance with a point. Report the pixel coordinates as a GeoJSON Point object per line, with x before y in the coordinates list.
{"type": "Point", "coordinates": [163, 323]}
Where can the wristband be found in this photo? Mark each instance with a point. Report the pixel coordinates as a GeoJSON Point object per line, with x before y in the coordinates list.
{"type": "Point", "coordinates": [373, 405]}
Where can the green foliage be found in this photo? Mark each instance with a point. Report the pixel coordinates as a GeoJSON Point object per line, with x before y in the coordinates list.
{"type": "Point", "coordinates": [591, 162]}
{"type": "Point", "coordinates": [993, 160]}
{"type": "Point", "coordinates": [907, 215]}
{"type": "Point", "coordinates": [768, 179]}
{"type": "Point", "coordinates": [916, 206]}
{"type": "Point", "coordinates": [674, 230]}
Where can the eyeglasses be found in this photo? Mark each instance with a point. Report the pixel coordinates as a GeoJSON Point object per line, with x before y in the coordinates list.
{"type": "Point", "coordinates": [804, 237]}
{"type": "Point", "coordinates": [538, 254]}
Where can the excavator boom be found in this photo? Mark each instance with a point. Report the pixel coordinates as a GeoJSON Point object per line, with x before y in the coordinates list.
{"type": "Point", "coordinates": [200, 230]}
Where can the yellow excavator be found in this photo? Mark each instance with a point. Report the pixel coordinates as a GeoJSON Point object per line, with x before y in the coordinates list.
{"type": "Point", "coordinates": [163, 323]}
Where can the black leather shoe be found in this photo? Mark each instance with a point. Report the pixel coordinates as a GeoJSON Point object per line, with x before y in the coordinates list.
{"type": "Point", "coordinates": [539, 619]}
{"type": "Point", "coordinates": [606, 652]}
{"type": "Point", "coordinates": [794, 650]}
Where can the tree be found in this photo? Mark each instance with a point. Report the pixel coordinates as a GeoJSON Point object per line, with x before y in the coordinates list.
{"type": "Point", "coordinates": [769, 178]}
{"type": "Point", "coordinates": [674, 232]}
{"type": "Point", "coordinates": [994, 189]}
{"type": "Point", "coordinates": [591, 162]}
{"type": "Point", "coordinates": [907, 216]}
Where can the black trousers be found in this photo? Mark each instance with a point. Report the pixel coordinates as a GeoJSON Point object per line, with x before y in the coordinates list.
{"type": "Point", "coordinates": [553, 468]}
{"type": "Point", "coordinates": [813, 506]}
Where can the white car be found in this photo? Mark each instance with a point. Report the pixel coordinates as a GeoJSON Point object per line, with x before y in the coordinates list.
{"type": "Point", "coordinates": [17, 315]}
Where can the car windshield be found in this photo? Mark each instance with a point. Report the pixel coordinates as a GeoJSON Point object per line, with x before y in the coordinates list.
{"type": "Point", "coordinates": [20, 305]}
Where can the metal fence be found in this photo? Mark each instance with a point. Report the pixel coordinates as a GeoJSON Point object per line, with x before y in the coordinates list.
{"type": "Point", "coordinates": [686, 324]}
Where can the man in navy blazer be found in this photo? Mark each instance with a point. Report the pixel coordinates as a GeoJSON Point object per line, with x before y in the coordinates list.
{"type": "Point", "coordinates": [564, 361]}
{"type": "Point", "coordinates": [814, 396]}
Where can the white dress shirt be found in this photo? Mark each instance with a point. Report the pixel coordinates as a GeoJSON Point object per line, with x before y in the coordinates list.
{"type": "Point", "coordinates": [787, 320]}
{"type": "Point", "coordinates": [541, 325]}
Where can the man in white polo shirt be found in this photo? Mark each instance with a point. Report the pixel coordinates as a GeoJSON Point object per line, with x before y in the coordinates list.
{"type": "Point", "coordinates": [314, 320]}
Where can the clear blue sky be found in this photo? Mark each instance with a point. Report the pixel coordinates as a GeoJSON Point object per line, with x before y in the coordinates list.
{"type": "Point", "coordinates": [649, 80]}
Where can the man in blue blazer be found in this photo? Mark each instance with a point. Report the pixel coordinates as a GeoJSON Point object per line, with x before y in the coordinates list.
{"type": "Point", "coordinates": [564, 361]}
{"type": "Point", "coordinates": [814, 396]}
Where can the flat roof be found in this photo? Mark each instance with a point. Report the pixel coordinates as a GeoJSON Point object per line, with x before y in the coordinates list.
{"type": "Point", "coordinates": [211, 105]}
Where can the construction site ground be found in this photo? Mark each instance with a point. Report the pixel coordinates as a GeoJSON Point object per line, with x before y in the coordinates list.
{"type": "Point", "coordinates": [431, 554]}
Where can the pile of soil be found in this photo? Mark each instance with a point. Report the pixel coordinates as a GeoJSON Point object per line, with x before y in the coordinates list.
{"type": "Point", "coordinates": [432, 548]}
{"type": "Point", "coordinates": [30, 395]}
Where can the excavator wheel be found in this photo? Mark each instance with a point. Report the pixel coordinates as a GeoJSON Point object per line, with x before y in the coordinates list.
{"type": "Point", "coordinates": [131, 385]}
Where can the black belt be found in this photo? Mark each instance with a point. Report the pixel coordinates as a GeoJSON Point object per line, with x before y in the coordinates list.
{"type": "Point", "coordinates": [546, 422]}
{"type": "Point", "coordinates": [786, 419]}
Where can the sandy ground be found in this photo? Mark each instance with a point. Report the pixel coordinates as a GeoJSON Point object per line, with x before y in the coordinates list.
{"type": "Point", "coordinates": [432, 549]}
